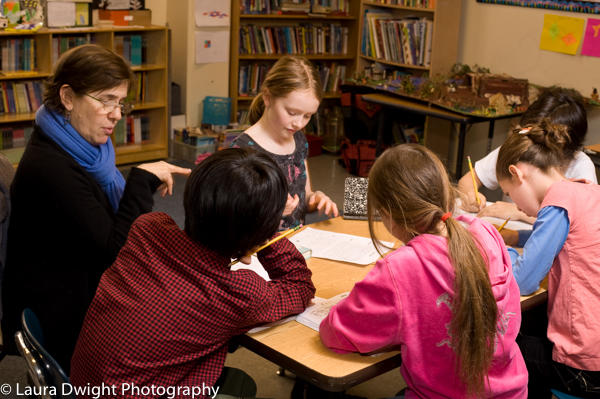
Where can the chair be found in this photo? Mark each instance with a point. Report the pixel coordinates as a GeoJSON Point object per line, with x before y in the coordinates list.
{"type": "Point", "coordinates": [561, 395]}
{"type": "Point", "coordinates": [43, 370]}
{"type": "Point", "coordinates": [7, 173]}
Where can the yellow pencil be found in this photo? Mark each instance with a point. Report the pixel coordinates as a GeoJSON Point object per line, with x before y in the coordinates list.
{"type": "Point", "coordinates": [474, 181]}
{"type": "Point", "coordinates": [503, 224]}
{"type": "Point", "coordinates": [270, 242]}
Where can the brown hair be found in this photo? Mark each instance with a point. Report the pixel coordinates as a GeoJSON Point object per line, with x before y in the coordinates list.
{"type": "Point", "coordinates": [541, 145]}
{"type": "Point", "coordinates": [410, 184]}
{"type": "Point", "coordinates": [288, 74]}
{"type": "Point", "coordinates": [86, 69]}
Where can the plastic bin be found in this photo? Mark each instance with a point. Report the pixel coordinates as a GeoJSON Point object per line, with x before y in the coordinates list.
{"type": "Point", "coordinates": [189, 152]}
{"type": "Point", "coordinates": [217, 110]}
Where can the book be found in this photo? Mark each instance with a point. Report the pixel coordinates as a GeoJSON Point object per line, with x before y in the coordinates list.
{"type": "Point", "coordinates": [355, 198]}
{"type": "Point", "coordinates": [314, 314]}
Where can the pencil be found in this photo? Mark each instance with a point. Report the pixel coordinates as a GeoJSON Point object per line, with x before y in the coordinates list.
{"type": "Point", "coordinates": [503, 224]}
{"type": "Point", "coordinates": [474, 181]}
{"type": "Point", "coordinates": [270, 242]}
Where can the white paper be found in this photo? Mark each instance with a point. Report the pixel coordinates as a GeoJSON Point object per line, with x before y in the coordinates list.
{"type": "Point", "coordinates": [212, 46]}
{"type": "Point", "coordinates": [61, 13]}
{"type": "Point", "coordinates": [337, 246]}
{"type": "Point", "coordinates": [512, 224]}
{"type": "Point", "coordinates": [255, 266]}
{"type": "Point", "coordinates": [315, 313]}
{"type": "Point", "coordinates": [212, 13]}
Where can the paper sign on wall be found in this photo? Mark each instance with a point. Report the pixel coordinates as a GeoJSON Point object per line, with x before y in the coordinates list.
{"type": "Point", "coordinates": [212, 46]}
{"type": "Point", "coordinates": [212, 13]}
{"type": "Point", "coordinates": [561, 34]}
{"type": "Point", "coordinates": [591, 40]}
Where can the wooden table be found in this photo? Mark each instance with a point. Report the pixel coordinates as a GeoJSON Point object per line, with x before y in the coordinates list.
{"type": "Point", "coordinates": [298, 348]}
{"type": "Point", "coordinates": [395, 102]}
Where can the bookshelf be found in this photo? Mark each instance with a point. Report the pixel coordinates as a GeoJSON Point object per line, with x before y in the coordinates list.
{"type": "Point", "coordinates": [28, 58]}
{"type": "Point", "coordinates": [435, 24]}
{"type": "Point", "coordinates": [261, 33]}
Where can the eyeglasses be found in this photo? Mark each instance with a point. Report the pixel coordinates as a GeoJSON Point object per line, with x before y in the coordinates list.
{"type": "Point", "coordinates": [110, 105]}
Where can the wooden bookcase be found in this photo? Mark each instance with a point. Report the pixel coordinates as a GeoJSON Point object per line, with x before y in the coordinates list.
{"type": "Point", "coordinates": [445, 17]}
{"type": "Point", "coordinates": [154, 67]}
{"type": "Point", "coordinates": [241, 21]}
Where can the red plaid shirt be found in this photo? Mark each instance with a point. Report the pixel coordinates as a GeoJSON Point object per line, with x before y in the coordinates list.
{"type": "Point", "coordinates": [166, 309]}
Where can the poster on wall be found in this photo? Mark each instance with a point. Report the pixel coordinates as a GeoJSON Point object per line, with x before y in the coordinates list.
{"type": "Point", "coordinates": [588, 7]}
{"type": "Point", "coordinates": [591, 38]}
{"type": "Point", "coordinates": [212, 13]}
{"type": "Point", "coordinates": [561, 34]}
{"type": "Point", "coordinates": [212, 46]}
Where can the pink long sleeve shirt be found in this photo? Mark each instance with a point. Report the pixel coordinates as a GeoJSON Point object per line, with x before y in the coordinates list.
{"type": "Point", "coordinates": [405, 302]}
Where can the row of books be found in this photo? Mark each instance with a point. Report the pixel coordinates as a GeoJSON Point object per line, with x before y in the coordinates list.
{"type": "Point", "coordinates": [17, 54]}
{"type": "Point", "coordinates": [403, 41]}
{"type": "Point", "coordinates": [305, 39]}
{"type": "Point", "coordinates": [15, 136]}
{"type": "Point", "coordinates": [20, 96]}
{"type": "Point", "coordinates": [61, 44]}
{"type": "Point", "coordinates": [132, 48]}
{"type": "Point", "coordinates": [133, 129]}
{"type": "Point", "coordinates": [408, 3]}
{"type": "Point", "coordinates": [251, 76]}
{"type": "Point", "coordinates": [138, 94]}
{"type": "Point", "coordinates": [338, 7]}
{"type": "Point", "coordinates": [332, 75]}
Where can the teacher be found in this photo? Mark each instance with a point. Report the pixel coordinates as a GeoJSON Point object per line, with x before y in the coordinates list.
{"type": "Point", "coordinates": [72, 208]}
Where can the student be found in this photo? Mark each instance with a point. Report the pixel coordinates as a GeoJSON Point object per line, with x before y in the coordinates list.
{"type": "Point", "coordinates": [561, 106]}
{"type": "Point", "coordinates": [165, 311]}
{"type": "Point", "coordinates": [447, 299]}
{"type": "Point", "coordinates": [289, 96]}
{"type": "Point", "coordinates": [71, 206]}
{"type": "Point", "coordinates": [565, 242]}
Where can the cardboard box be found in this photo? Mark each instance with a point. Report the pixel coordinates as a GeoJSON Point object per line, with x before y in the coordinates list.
{"type": "Point", "coordinates": [126, 17]}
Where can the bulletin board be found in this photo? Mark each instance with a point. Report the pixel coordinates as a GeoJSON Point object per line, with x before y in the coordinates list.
{"type": "Point", "coordinates": [588, 7]}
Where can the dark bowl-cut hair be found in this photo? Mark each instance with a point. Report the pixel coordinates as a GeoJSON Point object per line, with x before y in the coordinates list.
{"type": "Point", "coordinates": [560, 106]}
{"type": "Point", "coordinates": [86, 69]}
{"type": "Point", "coordinates": [234, 200]}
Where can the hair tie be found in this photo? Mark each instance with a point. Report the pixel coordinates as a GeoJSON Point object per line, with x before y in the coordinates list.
{"type": "Point", "coordinates": [525, 130]}
{"type": "Point", "coordinates": [446, 216]}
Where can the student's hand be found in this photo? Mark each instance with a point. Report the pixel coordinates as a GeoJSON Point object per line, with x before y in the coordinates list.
{"type": "Point", "coordinates": [469, 201]}
{"type": "Point", "coordinates": [505, 210]}
{"type": "Point", "coordinates": [510, 237]}
{"type": "Point", "coordinates": [164, 171]}
{"type": "Point", "coordinates": [291, 204]}
{"type": "Point", "coordinates": [319, 201]}
{"type": "Point", "coordinates": [247, 259]}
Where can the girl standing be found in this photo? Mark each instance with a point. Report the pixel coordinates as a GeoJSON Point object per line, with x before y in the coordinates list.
{"type": "Point", "coordinates": [289, 96]}
{"type": "Point", "coordinates": [447, 299]}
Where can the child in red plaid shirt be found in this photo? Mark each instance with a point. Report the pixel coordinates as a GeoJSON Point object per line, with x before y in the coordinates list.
{"type": "Point", "coordinates": [165, 311]}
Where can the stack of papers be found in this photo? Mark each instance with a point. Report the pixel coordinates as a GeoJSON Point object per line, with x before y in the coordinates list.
{"type": "Point", "coordinates": [338, 246]}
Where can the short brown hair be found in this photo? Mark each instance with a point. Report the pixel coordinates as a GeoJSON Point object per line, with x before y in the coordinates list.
{"type": "Point", "coordinates": [86, 69]}
{"type": "Point", "coordinates": [288, 74]}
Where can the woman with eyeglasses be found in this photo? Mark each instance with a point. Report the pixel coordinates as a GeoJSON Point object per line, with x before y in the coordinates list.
{"type": "Point", "coordinates": [71, 207]}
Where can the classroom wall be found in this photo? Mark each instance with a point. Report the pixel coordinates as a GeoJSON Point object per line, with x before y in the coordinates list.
{"type": "Point", "coordinates": [196, 80]}
{"type": "Point", "coordinates": [506, 40]}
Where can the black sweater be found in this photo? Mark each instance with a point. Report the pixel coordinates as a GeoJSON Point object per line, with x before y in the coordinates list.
{"type": "Point", "coordinates": [63, 234]}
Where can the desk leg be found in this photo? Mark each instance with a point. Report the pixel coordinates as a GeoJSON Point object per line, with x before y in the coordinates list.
{"type": "Point", "coordinates": [380, 132]}
{"type": "Point", "coordinates": [490, 136]}
{"type": "Point", "coordinates": [461, 150]}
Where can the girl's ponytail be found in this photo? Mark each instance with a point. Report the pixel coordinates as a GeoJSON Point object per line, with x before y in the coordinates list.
{"type": "Point", "coordinates": [257, 107]}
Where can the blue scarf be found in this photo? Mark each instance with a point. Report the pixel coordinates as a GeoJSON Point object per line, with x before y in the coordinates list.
{"type": "Point", "coordinates": [99, 161]}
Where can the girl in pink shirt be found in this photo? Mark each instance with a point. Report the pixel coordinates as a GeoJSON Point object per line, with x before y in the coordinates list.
{"type": "Point", "coordinates": [447, 299]}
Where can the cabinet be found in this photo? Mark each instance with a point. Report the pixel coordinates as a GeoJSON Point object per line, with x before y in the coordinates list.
{"type": "Point", "coordinates": [28, 59]}
{"type": "Point", "coordinates": [260, 36]}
